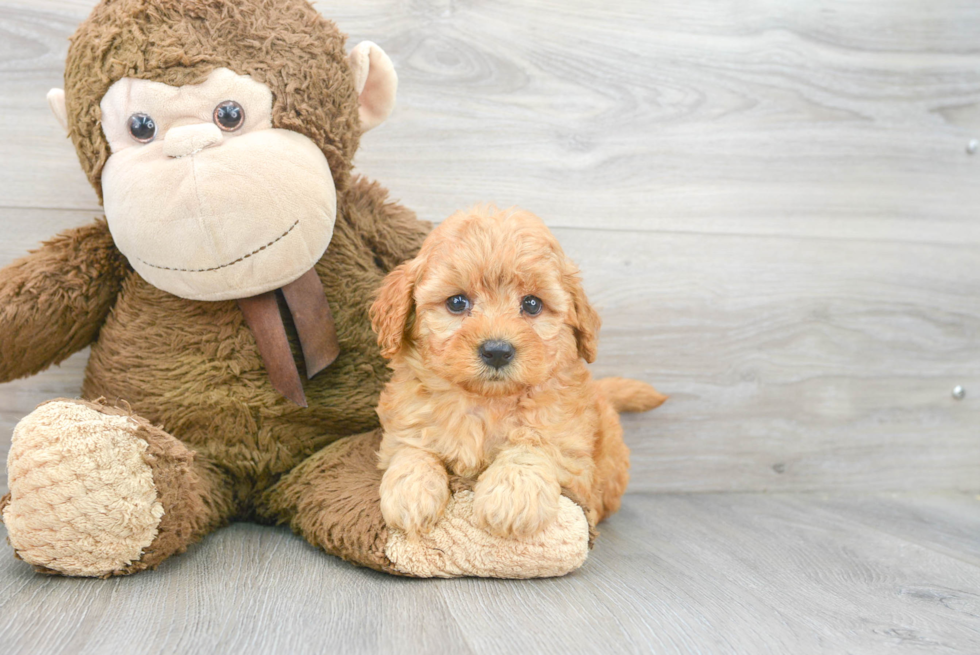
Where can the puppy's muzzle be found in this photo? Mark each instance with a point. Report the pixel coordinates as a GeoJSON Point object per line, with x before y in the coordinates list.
{"type": "Point", "coordinates": [496, 354]}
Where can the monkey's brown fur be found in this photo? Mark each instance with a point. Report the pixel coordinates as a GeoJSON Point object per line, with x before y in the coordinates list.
{"type": "Point", "coordinates": [226, 445]}
{"type": "Point", "coordinates": [285, 45]}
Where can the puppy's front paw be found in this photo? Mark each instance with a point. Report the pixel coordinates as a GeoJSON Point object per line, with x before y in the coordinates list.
{"type": "Point", "coordinates": [413, 500]}
{"type": "Point", "coordinates": [515, 501]}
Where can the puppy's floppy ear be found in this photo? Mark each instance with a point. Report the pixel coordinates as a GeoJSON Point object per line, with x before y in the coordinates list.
{"type": "Point", "coordinates": [585, 319]}
{"type": "Point", "coordinates": [390, 312]}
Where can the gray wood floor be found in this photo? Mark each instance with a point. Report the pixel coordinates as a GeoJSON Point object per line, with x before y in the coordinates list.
{"type": "Point", "coordinates": [774, 210]}
{"type": "Point", "coordinates": [694, 573]}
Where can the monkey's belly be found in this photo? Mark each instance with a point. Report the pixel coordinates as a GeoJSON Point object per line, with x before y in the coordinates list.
{"type": "Point", "coordinates": [193, 367]}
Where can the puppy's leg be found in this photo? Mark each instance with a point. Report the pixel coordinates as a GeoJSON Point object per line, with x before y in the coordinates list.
{"type": "Point", "coordinates": [612, 463]}
{"type": "Point", "coordinates": [517, 496]}
{"type": "Point", "coordinates": [332, 500]}
{"type": "Point", "coordinates": [414, 490]}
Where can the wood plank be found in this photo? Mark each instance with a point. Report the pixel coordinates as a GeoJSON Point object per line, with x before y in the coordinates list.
{"type": "Point", "coordinates": [37, 161]}
{"type": "Point", "coordinates": [670, 574]}
{"type": "Point", "coordinates": [945, 523]}
{"type": "Point", "coordinates": [26, 229]}
{"type": "Point", "coordinates": [718, 117]}
{"type": "Point", "coordinates": [793, 364]}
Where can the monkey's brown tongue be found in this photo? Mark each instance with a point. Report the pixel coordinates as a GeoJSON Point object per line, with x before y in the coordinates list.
{"type": "Point", "coordinates": [314, 324]}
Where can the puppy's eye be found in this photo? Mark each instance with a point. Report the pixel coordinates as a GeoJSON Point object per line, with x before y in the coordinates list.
{"type": "Point", "coordinates": [229, 115]}
{"type": "Point", "coordinates": [458, 304]}
{"type": "Point", "coordinates": [531, 305]}
{"type": "Point", "coordinates": [142, 128]}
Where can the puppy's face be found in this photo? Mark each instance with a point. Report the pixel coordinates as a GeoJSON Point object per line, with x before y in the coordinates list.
{"type": "Point", "coordinates": [491, 304]}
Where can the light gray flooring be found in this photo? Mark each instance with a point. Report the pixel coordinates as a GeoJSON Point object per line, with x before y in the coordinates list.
{"type": "Point", "coordinates": [775, 212]}
{"type": "Point", "coordinates": [696, 573]}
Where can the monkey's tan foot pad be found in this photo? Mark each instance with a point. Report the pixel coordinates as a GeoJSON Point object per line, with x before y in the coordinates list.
{"type": "Point", "coordinates": [457, 547]}
{"type": "Point", "coordinates": [82, 498]}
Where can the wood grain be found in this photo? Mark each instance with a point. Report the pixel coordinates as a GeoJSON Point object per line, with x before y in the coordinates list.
{"type": "Point", "coordinates": [670, 574]}
{"type": "Point", "coordinates": [721, 117]}
{"type": "Point", "coordinates": [792, 363]}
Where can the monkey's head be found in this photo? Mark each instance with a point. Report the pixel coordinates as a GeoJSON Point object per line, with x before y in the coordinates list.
{"type": "Point", "coordinates": [217, 134]}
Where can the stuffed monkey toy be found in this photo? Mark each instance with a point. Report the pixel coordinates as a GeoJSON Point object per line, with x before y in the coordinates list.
{"type": "Point", "coordinates": [233, 371]}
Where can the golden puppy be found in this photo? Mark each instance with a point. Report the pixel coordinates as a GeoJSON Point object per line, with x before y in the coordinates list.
{"type": "Point", "coordinates": [487, 329]}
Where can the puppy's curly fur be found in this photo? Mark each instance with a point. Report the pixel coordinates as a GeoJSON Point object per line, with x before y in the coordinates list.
{"type": "Point", "coordinates": [527, 430]}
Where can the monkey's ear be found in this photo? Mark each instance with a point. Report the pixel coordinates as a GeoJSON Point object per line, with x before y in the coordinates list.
{"type": "Point", "coordinates": [375, 81]}
{"type": "Point", "coordinates": [56, 100]}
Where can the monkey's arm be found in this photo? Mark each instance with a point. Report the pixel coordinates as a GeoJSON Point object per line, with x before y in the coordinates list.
{"type": "Point", "coordinates": [54, 300]}
{"type": "Point", "coordinates": [392, 232]}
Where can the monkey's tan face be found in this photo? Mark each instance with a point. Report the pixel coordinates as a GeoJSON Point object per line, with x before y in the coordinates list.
{"type": "Point", "coordinates": [204, 197]}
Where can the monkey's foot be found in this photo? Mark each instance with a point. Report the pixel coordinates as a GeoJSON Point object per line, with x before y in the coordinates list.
{"type": "Point", "coordinates": [83, 497]}
{"type": "Point", "coordinates": [333, 500]}
{"type": "Point", "coordinates": [457, 546]}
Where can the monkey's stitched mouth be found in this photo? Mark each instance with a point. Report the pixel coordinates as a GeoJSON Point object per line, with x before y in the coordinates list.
{"type": "Point", "coordinates": [232, 263]}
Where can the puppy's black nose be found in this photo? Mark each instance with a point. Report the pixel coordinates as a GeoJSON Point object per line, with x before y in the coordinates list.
{"type": "Point", "coordinates": [496, 353]}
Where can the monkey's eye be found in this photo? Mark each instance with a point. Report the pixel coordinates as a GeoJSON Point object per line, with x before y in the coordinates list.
{"type": "Point", "coordinates": [458, 304]}
{"type": "Point", "coordinates": [229, 115]}
{"type": "Point", "coordinates": [142, 128]}
{"type": "Point", "coordinates": [531, 305]}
